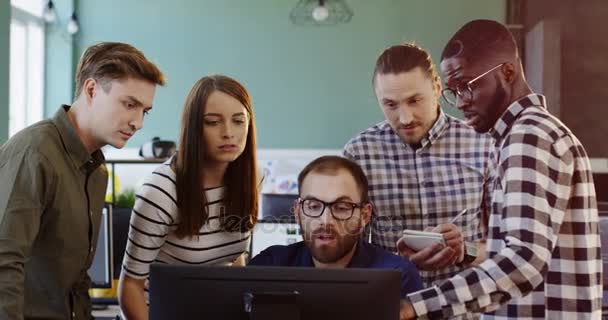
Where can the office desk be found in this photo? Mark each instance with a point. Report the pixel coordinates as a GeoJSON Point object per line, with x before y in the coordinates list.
{"type": "Point", "coordinates": [111, 313]}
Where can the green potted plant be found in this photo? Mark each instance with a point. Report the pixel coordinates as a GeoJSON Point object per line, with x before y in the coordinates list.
{"type": "Point", "coordinates": [125, 199]}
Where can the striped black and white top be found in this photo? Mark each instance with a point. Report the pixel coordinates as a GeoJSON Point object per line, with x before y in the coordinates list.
{"type": "Point", "coordinates": [154, 220]}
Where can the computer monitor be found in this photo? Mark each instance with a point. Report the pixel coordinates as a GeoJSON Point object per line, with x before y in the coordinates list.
{"type": "Point", "coordinates": [121, 218]}
{"type": "Point", "coordinates": [239, 293]}
{"type": "Point", "coordinates": [278, 208]}
{"type": "Point", "coordinates": [101, 270]}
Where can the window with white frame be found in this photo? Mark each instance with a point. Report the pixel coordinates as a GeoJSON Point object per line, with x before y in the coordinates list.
{"type": "Point", "coordinates": [26, 95]}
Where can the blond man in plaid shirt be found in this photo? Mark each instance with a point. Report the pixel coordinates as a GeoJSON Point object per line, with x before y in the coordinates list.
{"type": "Point", "coordinates": [543, 246]}
{"type": "Point", "coordinates": [424, 166]}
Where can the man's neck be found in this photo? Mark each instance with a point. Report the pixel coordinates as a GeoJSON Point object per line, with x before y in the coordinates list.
{"type": "Point", "coordinates": [81, 129]}
{"type": "Point", "coordinates": [521, 90]}
{"type": "Point", "coordinates": [416, 146]}
{"type": "Point", "coordinates": [340, 263]}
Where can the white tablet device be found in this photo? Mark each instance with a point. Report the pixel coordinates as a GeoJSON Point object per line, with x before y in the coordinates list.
{"type": "Point", "coordinates": [418, 240]}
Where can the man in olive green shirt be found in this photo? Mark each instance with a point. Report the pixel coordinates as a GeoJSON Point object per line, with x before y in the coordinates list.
{"type": "Point", "coordinates": [53, 181]}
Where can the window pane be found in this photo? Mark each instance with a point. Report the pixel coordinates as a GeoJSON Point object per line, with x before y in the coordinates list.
{"type": "Point", "coordinates": [18, 71]}
{"type": "Point", "coordinates": [34, 7]}
{"type": "Point", "coordinates": [26, 72]}
{"type": "Point", "coordinates": [35, 75]}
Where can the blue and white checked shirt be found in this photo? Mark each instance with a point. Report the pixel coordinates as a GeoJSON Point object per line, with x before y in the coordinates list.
{"type": "Point", "coordinates": [415, 189]}
{"type": "Point", "coordinates": [543, 238]}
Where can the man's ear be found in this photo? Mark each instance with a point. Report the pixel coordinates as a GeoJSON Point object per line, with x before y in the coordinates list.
{"type": "Point", "coordinates": [509, 72]}
{"type": "Point", "coordinates": [89, 89]}
{"type": "Point", "coordinates": [295, 208]}
{"type": "Point", "coordinates": [437, 86]}
{"type": "Point", "coordinates": [366, 213]}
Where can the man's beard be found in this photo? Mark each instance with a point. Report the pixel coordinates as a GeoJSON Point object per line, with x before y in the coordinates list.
{"type": "Point", "coordinates": [330, 254]}
{"type": "Point", "coordinates": [495, 107]}
{"type": "Point", "coordinates": [412, 139]}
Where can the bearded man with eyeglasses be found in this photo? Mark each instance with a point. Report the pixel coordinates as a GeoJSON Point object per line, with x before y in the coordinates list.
{"type": "Point", "coordinates": [332, 209]}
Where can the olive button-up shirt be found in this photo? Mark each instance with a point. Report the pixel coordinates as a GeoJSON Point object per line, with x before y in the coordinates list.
{"type": "Point", "coordinates": [51, 199]}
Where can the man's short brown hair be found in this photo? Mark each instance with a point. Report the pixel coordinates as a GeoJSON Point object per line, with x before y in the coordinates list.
{"type": "Point", "coordinates": [404, 58]}
{"type": "Point", "coordinates": [107, 61]}
{"type": "Point", "coordinates": [331, 165]}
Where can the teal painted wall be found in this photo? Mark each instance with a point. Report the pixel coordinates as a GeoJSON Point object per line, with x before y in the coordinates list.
{"type": "Point", "coordinates": [310, 85]}
{"type": "Point", "coordinates": [5, 24]}
{"type": "Point", "coordinates": [59, 64]}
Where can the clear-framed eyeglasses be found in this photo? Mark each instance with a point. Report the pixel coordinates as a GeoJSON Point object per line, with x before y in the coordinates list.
{"type": "Point", "coordinates": [464, 91]}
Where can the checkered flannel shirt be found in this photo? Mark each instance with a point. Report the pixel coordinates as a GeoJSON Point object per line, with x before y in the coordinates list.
{"type": "Point", "coordinates": [415, 189]}
{"type": "Point", "coordinates": [543, 240]}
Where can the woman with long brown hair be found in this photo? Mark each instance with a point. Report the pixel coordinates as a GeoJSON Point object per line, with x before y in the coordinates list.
{"type": "Point", "coordinates": [200, 206]}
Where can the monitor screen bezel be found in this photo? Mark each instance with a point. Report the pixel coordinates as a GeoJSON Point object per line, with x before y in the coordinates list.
{"type": "Point", "coordinates": [174, 288]}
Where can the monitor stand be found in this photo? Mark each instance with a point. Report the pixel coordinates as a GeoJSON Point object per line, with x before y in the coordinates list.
{"type": "Point", "coordinates": [99, 306]}
{"type": "Point", "coordinates": [272, 305]}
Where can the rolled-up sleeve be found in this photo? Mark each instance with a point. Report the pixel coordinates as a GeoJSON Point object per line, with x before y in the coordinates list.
{"type": "Point", "coordinates": [535, 191]}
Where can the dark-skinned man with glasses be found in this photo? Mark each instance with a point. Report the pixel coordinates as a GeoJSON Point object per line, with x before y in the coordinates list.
{"type": "Point", "coordinates": [424, 167]}
{"type": "Point", "coordinates": [543, 246]}
{"type": "Point", "coordinates": [332, 210]}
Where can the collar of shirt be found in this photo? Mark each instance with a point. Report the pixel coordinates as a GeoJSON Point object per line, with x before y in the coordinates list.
{"type": "Point", "coordinates": [73, 145]}
{"type": "Point", "coordinates": [362, 258]}
{"type": "Point", "coordinates": [436, 130]}
{"type": "Point", "coordinates": [504, 123]}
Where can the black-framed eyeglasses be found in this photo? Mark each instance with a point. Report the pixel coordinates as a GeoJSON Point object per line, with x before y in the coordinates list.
{"type": "Point", "coordinates": [340, 210]}
{"type": "Point", "coordinates": [463, 90]}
